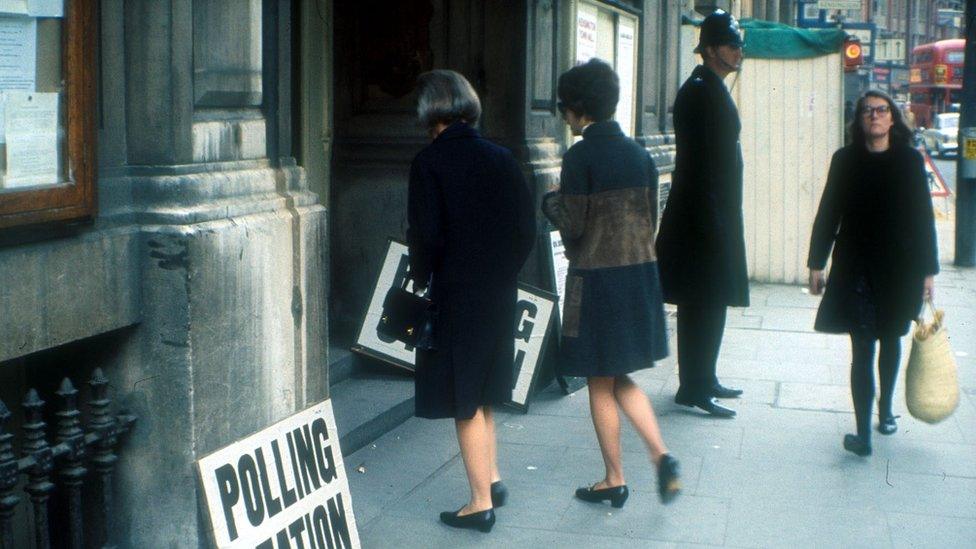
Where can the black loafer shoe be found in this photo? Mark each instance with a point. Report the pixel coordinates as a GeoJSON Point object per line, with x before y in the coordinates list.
{"type": "Point", "coordinates": [718, 391]}
{"type": "Point", "coordinates": [482, 520]}
{"type": "Point", "coordinates": [617, 495]}
{"type": "Point", "coordinates": [668, 481]}
{"type": "Point", "coordinates": [709, 405]}
{"type": "Point", "coordinates": [498, 494]}
{"type": "Point", "coordinates": [888, 426]}
{"type": "Point", "coordinates": [855, 445]}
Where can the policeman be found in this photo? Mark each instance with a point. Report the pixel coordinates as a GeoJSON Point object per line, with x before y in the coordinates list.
{"type": "Point", "coordinates": [701, 247]}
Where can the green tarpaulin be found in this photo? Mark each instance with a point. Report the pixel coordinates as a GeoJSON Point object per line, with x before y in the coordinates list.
{"type": "Point", "coordinates": [768, 40]}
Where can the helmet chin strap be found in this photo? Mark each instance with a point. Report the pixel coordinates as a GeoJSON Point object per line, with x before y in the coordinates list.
{"type": "Point", "coordinates": [735, 80]}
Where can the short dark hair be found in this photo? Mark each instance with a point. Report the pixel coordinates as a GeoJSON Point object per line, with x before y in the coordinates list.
{"type": "Point", "coordinates": [900, 133]}
{"type": "Point", "coordinates": [590, 89]}
{"type": "Point", "coordinates": [444, 97]}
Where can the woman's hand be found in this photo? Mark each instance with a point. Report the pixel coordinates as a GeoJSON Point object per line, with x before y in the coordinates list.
{"type": "Point", "coordinates": [928, 290]}
{"type": "Point", "coordinates": [816, 281]}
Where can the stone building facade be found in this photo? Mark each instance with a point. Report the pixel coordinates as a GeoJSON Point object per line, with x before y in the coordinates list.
{"type": "Point", "coordinates": [252, 161]}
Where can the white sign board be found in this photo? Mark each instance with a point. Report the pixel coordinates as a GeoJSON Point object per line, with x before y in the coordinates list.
{"type": "Point", "coordinates": [626, 63]}
{"type": "Point", "coordinates": [839, 4]}
{"type": "Point", "coordinates": [533, 317]}
{"type": "Point", "coordinates": [392, 274]}
{"type": "Point", "coordinates": [284, 486]}
{"type": "Point", "coordinates": [586, 19]}
{"type": "Point", "coordinates": [560, 267]}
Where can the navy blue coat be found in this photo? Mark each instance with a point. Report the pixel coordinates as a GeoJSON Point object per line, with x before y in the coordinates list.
{"type": "Point", "coordinates": [701, 246]}
{"type": "Point", "coordinates": [605, 210]}
{"type": "Point", "coordinates": [471, 227]}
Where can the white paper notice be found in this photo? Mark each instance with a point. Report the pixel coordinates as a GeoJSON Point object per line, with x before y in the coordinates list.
{"type": "Point", "coordinates": [625, 70]}
{"type": "Point", "coordinates": [560, 267]}
{"type": "Point", "coordinates": [18, 53]}
{"type": "Point", "coordinates": [31, 128]}
{"type": "Point", "coordinates": [586, 17]}
{"type": "Point", "coordinates": [17, 7]}
{"type": "Point", "coordinates": [45, 8]}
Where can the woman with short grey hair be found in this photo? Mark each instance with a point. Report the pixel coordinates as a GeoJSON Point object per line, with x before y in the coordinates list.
{"type": "Point", "coordinates": [445, 97]}
{"type": "Point", "coordinates": [471, 226]}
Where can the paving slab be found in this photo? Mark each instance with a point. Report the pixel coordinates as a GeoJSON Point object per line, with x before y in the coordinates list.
{"type": "Point", "coordinates": [775, 476]}
{"type": "Point", "coordinates": [929, 532]}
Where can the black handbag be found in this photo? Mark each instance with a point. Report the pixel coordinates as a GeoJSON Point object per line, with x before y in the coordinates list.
{"type": "Point", "coordinates": [409, 318]}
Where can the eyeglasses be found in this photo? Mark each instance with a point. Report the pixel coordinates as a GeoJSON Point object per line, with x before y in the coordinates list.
{"type": "Point", "coordinates": [882, 110]}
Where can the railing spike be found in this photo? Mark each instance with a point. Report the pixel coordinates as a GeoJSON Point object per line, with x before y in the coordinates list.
{"type": "Point", "coordinates": [71, 439]}
{"type": "Point", "coordinates": [8, 480]}
{"type": "Point", "coordinates": [36, 448]}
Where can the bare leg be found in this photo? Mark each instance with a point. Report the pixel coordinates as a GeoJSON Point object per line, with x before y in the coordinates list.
{"type": "Point", "coordinates": [606, 422]}
{"type": "Point", "coordinates": [492, 443]}
{"type": "Point", "coordinates": [637, 408]}
{"type": "Point", "coordinates": [473, 439]}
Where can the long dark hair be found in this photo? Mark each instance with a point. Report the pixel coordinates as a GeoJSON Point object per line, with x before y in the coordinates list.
{"type": "Point", "coordinates": [900, 133]}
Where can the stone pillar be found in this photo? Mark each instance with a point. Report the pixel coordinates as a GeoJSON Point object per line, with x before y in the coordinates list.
{"type": "Point", "coordinates": [520, 93]}
{"type": "Point", "coordinates": [231, 249]}
{"type": "Point", "coordinates": [659, 58]}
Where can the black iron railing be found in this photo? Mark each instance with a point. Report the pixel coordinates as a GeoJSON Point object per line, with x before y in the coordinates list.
{"type": "Point", "coordinates": [80, 462]}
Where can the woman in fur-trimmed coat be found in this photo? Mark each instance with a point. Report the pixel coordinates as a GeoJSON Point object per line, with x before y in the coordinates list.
{"type": "Point", "coordinates": [613, 319]}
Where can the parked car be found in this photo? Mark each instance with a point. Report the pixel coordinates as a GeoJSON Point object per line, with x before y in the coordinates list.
{"type": "Point", "coordinates": [941, 138]}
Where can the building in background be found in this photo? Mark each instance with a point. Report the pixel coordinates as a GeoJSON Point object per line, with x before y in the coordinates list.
{"type": "Point", "coordinates": [888, 31]}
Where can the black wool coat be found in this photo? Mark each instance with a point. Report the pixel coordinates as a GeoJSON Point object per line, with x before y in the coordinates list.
{"type": "Point", "coordinates": [876, 214]}
{"type": "Point", "coordinates": [471, 227]}
{"type": "Point", "coordinates": [701, 246]}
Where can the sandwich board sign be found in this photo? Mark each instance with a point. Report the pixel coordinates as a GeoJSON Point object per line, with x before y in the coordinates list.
{"type": "Point", "coordinates": [535, 313]}
{"type": "Point", "coordinates": [282, 487]}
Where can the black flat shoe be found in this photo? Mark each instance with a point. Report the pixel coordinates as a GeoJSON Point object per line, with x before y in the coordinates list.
{"type": "Point", "coordinates": [854, 444]}
{"type": "Point", "coordinates": [498, 494]}
{"type": "Point", "coordinates": [709, 405]}
{"type": "Point", "coordinates": [718, 391]}
{"type": "Point", "coordinates": [668, 481]}
{"type": "Point", "coordinates": [888, 425]}
{"type": "Point", "coordinates": [482, 520]}
{"type": "Point", "coordinates": [617, 495]}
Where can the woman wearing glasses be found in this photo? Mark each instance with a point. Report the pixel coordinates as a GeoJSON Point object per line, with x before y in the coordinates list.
{"type": "Point", "coordinates": [876, 214]}
{"type": "Point", "coordinates": [613, 316]}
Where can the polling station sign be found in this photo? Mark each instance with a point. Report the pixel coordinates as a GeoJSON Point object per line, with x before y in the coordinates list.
{"type": "Point", "coordinates": [281, 488]}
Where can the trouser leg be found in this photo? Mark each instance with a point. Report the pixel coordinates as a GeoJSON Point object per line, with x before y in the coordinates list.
{"type": "Point", "coordinates": [888, 358]}
{"type": "Point", "coordinates": [715, 320]}
{"type": "Point", "coordinates": [862, 383]}
{"type": "Point", "coordinates": [699, 339]}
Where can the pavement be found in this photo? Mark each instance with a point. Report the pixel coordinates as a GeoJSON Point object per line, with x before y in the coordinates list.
{"type": "Point", "coordinates": [775, 476]}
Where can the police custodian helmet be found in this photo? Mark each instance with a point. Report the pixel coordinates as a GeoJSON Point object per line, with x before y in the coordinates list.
{"type": "Point", "coordinates": [719, 29]}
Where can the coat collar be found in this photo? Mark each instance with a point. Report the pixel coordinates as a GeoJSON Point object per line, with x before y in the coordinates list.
{"type": "Point", "coordinates": [606, 128]}
{"type": "Point", "coordinates": [457, 130]}
{"type": "Point", "coordinates": [707, 75]}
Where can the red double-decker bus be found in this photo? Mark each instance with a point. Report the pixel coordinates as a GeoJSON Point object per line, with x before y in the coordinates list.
{"type": "Point", "coordinates": [935, 79]}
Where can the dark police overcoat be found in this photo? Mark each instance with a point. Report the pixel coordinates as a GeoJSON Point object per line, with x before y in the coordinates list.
{"type": "Point", "coordinates": [471, 227]}
{"type": "Point", "coordinates": [701, 245]}
{"type": "Point", "coordinates": [605, 210]}
{"type": "Point", "coordinates": [876, 214]}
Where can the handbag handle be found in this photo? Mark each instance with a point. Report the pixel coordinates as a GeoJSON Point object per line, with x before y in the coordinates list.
{"type": "Point", "coordinates": [426, 292]}
{"type": "Point", "coordinates": [936, 317]}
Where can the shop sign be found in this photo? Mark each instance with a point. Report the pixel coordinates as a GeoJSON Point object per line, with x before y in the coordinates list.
{"type": "Point", "coordinates": [839, 4]}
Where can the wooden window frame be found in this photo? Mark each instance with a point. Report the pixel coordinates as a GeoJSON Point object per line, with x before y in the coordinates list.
{"type": "Point", "coordinates": [74, 199]}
